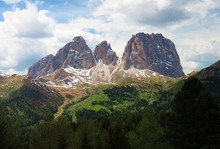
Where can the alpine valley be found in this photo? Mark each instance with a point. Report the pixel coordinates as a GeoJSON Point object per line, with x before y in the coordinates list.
{"type": "Point", "coordinates": [106, 101]}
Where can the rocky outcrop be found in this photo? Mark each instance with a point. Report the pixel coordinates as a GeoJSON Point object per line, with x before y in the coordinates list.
{"type": "Point", "coordinates": [154, 52]}
{"type": "Point", "coordinates": [76, 54]}
{"type": "Point", "coordinates": [104, 53]}
{"type": "Point", "coordinates": [42, 67]}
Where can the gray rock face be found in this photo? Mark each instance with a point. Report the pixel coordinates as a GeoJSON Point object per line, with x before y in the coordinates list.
{"type": "Point", "coordinates": [103, 52]}
{"type": "Point", "coordinates": [75, 54]}
{"type": "Point", "coordinates": [42, 67]}
{"type": "Point", "coordinates": [154, 52]}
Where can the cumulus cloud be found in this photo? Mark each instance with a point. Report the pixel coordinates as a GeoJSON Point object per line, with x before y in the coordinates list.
{"type": "Point", "coordinates": [11, 1]}
{"type": "Point", "coordinates": [29, 34]}
{"type": "Point", "coordinates": [198, 50]}
{"type": "Point", "coordinates": [29, 22]}
{"type": "Point", "coordinates": [21, 32]}
{"type": "Point", "coordinates": [148, 12]}
{"type": "Point", "coordinates": [203, 55]}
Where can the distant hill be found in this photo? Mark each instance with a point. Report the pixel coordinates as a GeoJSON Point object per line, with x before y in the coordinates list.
{"type": "Point", "coordinates": [210, 77]}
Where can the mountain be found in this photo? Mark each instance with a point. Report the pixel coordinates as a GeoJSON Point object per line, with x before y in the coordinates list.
{"type": "Point", "coordinates": [210, 78]}
{"type": "Point", "coordinates": [103, 52]}
{"type": "Point", "coordinates": [76, 54]}
{"type": "Point", "coordinates": [144, 56]}
{"type": "Point", "coordinates": [42, 67]}
{"type": "Point", "coordinates": [154, 52]}
{"type": "Point", "coordinates": [3, 75]}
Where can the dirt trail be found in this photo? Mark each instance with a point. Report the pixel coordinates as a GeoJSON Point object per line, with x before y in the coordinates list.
{"type": "Point", "coordinates": [66, 102]}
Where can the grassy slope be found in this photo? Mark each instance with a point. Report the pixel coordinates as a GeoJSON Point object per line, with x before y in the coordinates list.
{"type": "Point", "coordinates": [95, 94]}
{"type": "Point", "coordinates": [150, 90]}
{"type": "Point", "coordinates": [9, 86]}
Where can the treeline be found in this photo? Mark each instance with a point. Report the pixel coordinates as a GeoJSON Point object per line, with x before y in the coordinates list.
{"type": "Point", "coordinates": [129, 130]}
{"type": "Point", "coordinates": [192, 122]}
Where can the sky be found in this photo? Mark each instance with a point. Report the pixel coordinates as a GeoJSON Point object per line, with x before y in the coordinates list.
{"type": "Point", "coordinates": [32, 29]}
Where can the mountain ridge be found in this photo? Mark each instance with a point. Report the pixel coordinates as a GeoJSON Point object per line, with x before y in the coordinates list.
{"type": "Point", "coordinates": [103, 65]}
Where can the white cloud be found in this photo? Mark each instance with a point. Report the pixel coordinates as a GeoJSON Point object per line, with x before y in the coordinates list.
{"type": "Point", "coordinates": [12, 1]}
{"type": "Point", "coordinates": [29, 22]}
{"type": "Point", "coordinates": [191, 24]}
{"type": "Point", "coordinates": [21, 32]}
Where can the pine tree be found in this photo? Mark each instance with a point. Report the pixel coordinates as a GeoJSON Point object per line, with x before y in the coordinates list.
{"type": "Point", "coordinates": [195, 116]}
{"type": "Point", "coordinates": [8, 135]}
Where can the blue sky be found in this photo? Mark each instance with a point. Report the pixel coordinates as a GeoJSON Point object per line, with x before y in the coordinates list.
{"type": "Point", "coordinates": [32, 29]}
{"type": "Point", "coordinates": [60, 10]}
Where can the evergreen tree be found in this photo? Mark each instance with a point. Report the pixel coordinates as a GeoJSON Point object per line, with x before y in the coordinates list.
{"type": "Point", "coordinates": [57, 134]}
{"type": "Point", "coordinates": [149, 133]}
{"type": "Point", "coordinates": [117, 136]}
{"type": "Point", "coordinates": [104, 140]}
{"type": "Point", "coordinates": [195, 116]}
{"type": "Point", "coordinates": [86, 135]}
{"type": "Point", "coordinates": [8, 135]}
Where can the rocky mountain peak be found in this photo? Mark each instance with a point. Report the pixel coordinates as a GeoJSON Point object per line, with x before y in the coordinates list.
{"type": "Point", "coordinates": [154, 52]}
{"type": "Point", "coordinates": [79, 40]}
{"type": "Point", "coordinates": [104, 53]}
{"type": "Point", "coordinates": [76, 54]}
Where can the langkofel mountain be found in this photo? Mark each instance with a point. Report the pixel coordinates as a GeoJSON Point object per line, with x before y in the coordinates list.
{"type": "Point", "coordinates": [145, 55]}
{"type": "Point", "coordinates": [154, 52]}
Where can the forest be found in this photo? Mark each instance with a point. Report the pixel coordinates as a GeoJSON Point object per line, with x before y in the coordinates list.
{"type": "Point", "coordinates": [191, 121]}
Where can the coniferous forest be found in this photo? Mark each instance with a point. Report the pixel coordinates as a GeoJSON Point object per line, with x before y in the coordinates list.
{"type": "Point", "coordinates": [191, 121]}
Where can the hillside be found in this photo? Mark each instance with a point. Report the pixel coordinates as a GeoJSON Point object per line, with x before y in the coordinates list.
{"type": "Point", "coordinates": [27, 101]}
{"type": "Point", "coordinates": [210, 77]}
{"type": "Point", "coordinates": [127, 95]}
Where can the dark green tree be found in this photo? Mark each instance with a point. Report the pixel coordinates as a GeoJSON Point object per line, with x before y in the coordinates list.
{"type": "Point", "coordinates": [194, 122]}
{"type": "Point", "coordinates": [149, 133]}
{"type": "Point", "coordinates": [86, 135]}
{"type": "Point", "coordinates": [57, 134]}
{"type": "Point", "coordinates": [8, 134]}
{"type": "Point", "coordinates": [118, 137]}
{"type": "Point", "coordinates": [104, 140]}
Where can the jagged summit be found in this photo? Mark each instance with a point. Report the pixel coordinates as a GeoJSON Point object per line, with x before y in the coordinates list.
{"type": "Point", "coordinates": [154, 52]}
{"type": "Point", "coordinates": [104, 53]}
{"type": "Point", "coordinates": [79, 39]}
{"type": "Point", "coordinates": [76, 54]}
